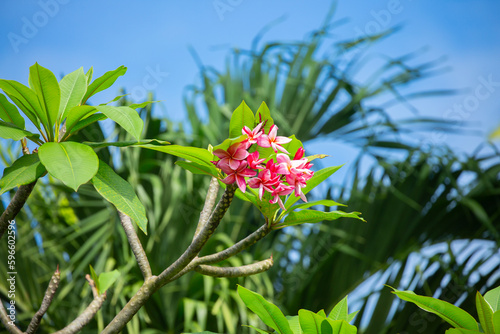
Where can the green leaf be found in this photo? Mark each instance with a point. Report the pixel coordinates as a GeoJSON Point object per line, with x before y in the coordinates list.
{"type": "Point", "coordinates": [264, 115]}
{"type": "Point", "coordinates": [141, 105]}
{"type": "Point", "coordinates": [194, 154]}
{"type": "Point", "coordinates": [453, 315]}
{"type": "Point", "coordinates": [9, 113]}
{"type": "Point", "coordinates": [316, 156]}
{"type": "Point", "coordinates": [318, 177]}
{"type": "Point", "coordinates": [228, 142]}
{"type": "Point", "coordinates": [73, 88]}
{"type": "Point", "coordinates": [310, 322]}
{"type": "Point", "coordinates": [342, 327]}
{"type": "Point", "coordinates": [94, 277]}
{"type": "Point", "coordinates": [496, 321]}
{"type": "Point", "coordinates": [461, 331]}
{"type": "Point", "coordinates": [108, 279]}
{"type": "Point", "coordinates": [72, 163]}
{"type": "Point", "coordinates": [76, 114]}
{"type": "Point", "coordinates": [493, 298]}
{"type": "Point", "coordinates": [126, 117]}
{"type": "Point", "coordinates": [340, 311]}
{"type": "Point", "coordinates": [197, 168]}
{"type": "Point", "coordinates": [10, 131]}
{"type": "Point", "coordinates": [127, 143]}
{"type": "Point", "coordinates": [293, 146]}
{"type": "Point", "coordinates": [321, 313]}
{"type": "Point", "coordinates": [325, 202]}
{"type": "Point", "coordinates": [120, 193]}
{"type": "Point", "coordinates": [24, 170]}
{"type": "Point", "coordinates": [352, 315]}
{"type": "Point", "coordinates": [269, 313]}
{"type": "Point", "coordinates": [242, 116]}
{"type": "Point", "coordinates": [46, 87]}
{"type": "Point", "coordinates": [257, 329]}
{"type": "Point", "coordinates": [87, 121]}
{"type": "Point", "coordinates": [485, 314]}
{"type": "Point", "coordinates": [24, 98]}
{"type": "Point", "coordinates": [314, 216]}
{"type": "Point", "coordinates": [294, 324]}
{"type": "Point", "coordinates": [103, 82]}
{"type": "Point", "coordinates": [89, 74]}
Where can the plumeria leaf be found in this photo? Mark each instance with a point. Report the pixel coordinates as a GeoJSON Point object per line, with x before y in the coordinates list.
{"type": "Point", "coordinates": [264, 115]}
{"type": "Point", "coordinates": [141, 105]}
{"type": "Point", "coordinates": [24, 170]}
{"type": "Point", "coordinates": [127, 143]}
{"type": "Point", "coordinates": [325, 202]}
{"type": "Point", "coordinates": [120, 193]}
{"type": "Point", "coordinates": [106, 280]}
{"type": "Point", "coordinates": [9, 113]}
{"type": "Point", "coordinates": [95, 278]}
{"type": "Point", "coordinates": [87, 121]}
{"type": "Point", "coordinates": [73, 88]}
{"type": "Point", "coordinates": [269, 313]}
{"type": "Point", "coordinates": [496, 321]}
{"type": "Point", "coordinates": [453, 315]}
{"type": "Point", "coordinates": [316, 156]}
{"type": "Point", "coordinates": [242, 116]}
{"type": "Point", "coordinates": [116, 98]}
{"type": "Point", "coordinates": [10, 131]}
{"type": "Point", "coordinates": [340, 311]}
{"type": "Point", "coordinates": [294, 324]}
{"type": "Point", "coordinates": [313, 216]}
{"type": "Point", "coordinates": [310, 322]}
{"type": "Point", "coordinates": [197, 168]}
{"type": "Point", "coordinates": [485, 314]}
{"type": "Point", "coordinates": [103, 82]}
{"type": "Point", "coordinates": [254, 328]}
{"type": "Point", "coordinates": [461, 331]}
{"type": "Point", "coordinates": [318, 177]}
{"type": "Point", "coordinates": [45, 84]}
{"type": "Point", "coordinates": [194, 154]}
{"type": "Point", "coordinates": [72, 163]}
{"type": "Point", "coordinates": [76, 114]}
{"type": "Point", "coordinates": [24, 98]}
{"type": "Point", "coordinates": [126, 117]}
{"type": "Point", "coordinates": [493, 298]}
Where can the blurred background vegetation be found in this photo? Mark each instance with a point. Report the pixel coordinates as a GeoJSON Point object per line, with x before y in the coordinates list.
{"type": "Point", "coordinates": [433, 214]}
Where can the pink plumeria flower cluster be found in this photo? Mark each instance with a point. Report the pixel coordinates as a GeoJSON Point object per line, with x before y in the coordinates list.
{"type": "Point", "coordinates": [279, 177]}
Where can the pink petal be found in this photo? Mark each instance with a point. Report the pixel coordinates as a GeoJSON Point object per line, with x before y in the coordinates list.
{"type": "Point", "coordinates": [273, 131]}
{"type": "Point", "coordinates": [263, 141]}
{"type": "Point", "coordinates": [234, 164]}
{"type": "Point", "coordinates": [221, 153]}
{"type": "Point", "coordinates": [241, 183]}
{"type": "Point", "coordinates": [240, 154]}
{"type": "Point", "coordinates": [229, 179]}
{"type": "Point", "coordinates": [282, 140]}
{"type": "Point", "coordinates": [281, 204]}
{"type": "Point", "coordinates": [282, 149]}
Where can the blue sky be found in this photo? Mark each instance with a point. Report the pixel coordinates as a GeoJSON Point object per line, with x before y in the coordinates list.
{"type": "Point", "coordinates": [152, 38]}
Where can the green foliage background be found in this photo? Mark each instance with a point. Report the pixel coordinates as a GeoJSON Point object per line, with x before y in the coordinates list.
{"type": "Point", "coordinates": [412, 200]}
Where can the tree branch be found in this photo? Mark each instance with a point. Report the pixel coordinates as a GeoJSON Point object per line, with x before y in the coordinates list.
{"type": "Point", "coordinates": [84, 318]}
{"type": "Point", "coordinates": [7, 322]}
{"type": "Point", "coordinates": [135, 244]}
{"type": "Point", "coordinates": [247, 270]}
{"type": "Point", "coordinates": [206, 232]}
{"type": "Point", "coordinates": [47, 300]}
{"type": "Point", "coordinates": [15, 206]}
{"type": "Point", "coordinates": [213, 189]}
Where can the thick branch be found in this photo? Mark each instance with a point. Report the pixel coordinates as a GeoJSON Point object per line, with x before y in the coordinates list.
{"type": "Point", "coordinates": [213, 189]}
{"type": "Point", "coordinates": [206, 232]}
{"type": "Point", "coordinates": [152, 284]}
{"type": "Point", "coordinates": [247, 270]}
{"type": "Point", "coordinates": [47, 300]}
{"type": "Point", "coordinates": [15, 206]}
{"type": "Point", "coordinates": [135, 244]}
{"type": "Point", "coordinates": [7, 322]}
{"type": "Point", "coordinates": [87, 315]}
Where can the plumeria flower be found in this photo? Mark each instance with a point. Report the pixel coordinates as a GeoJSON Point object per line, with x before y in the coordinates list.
{"type": "Point", "coordinates": [297, 182]}
{"type": "Point", "coordinates": [253, 135]}
{"type": "Point", "coordinates": [271, 140]}
{"type": "Point", "coordinates": [232, 157]}
{"type": "Point", "coordinates": [264, 182]}
{"type": "Point", "coordinates": [254, 161]}
{"type": "Point", "coordinates": [287, 166]}
{"type": "Point", "coordinates": [238, 175]}
{"type": "Point", "coordinates": [281, 190]}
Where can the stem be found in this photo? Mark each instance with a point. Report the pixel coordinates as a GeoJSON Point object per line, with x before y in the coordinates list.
{"type": "Point", "coordinates": [47, 300]}
{"type": "Point", "coordinates": [242, 271]}
{"type": "Point", "coordinates": [154, 283]}
{"type": "Point", "coordinates": [209, 205]}
{"type": "Point", "coordinates": [135, 244]}
{"type": "Point", "coordinates": [15, 206]}
{"type": "Point", "coordinates": [7, 323]}
{"type": "Point", "coordinates": [86, 316]}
